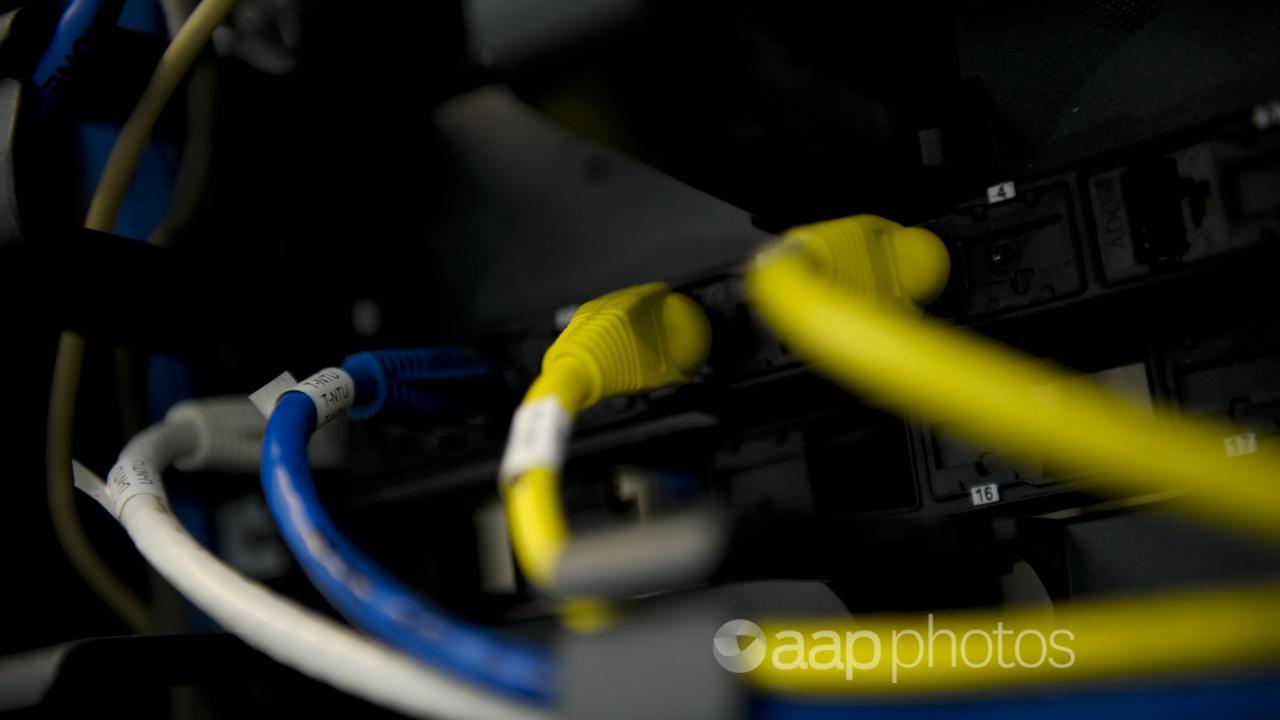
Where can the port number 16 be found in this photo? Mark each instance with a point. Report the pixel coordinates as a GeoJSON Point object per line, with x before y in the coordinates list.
{"type": "Point", "coordinates": [984, 494]}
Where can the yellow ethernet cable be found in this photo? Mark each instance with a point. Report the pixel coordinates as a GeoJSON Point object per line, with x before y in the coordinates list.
{"type": "Point", "coordinates": [845, 294]}
{"type": "Point", "coordinates": [629, 341]}
{"type": "Point", "coordinates": [975, 651]}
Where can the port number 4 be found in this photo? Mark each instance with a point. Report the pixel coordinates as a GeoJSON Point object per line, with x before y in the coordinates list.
{"type": "Point", "coordinates": [1001, 192]}
{"type": "Point", "coordinates": [984, 494]}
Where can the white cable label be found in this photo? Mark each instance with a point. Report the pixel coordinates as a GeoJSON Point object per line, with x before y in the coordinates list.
{"type": "Point", "coordinates": [539, 438]}
{"type": "Point", "coordinates": [332, 390]}
{"type": "Point", "coordinates": [266, 397]}
{"type": "Point", "coordinates": [90, 484]}
{"type": "Point", "coordinates": [132, 477]}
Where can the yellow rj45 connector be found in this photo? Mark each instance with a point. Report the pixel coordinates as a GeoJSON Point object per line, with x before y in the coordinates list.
{"type": "Point", "coordinates": [629, 341]}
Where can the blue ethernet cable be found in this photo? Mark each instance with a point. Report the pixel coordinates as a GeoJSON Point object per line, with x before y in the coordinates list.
{"type": "Point", "coordinates": [75, 26]}
{"type": "Point", "coordinates": [80, 27]}
{"type": "Point", "coordinates": [1247, 698]}
{"type": "Point", "coordinates": [367, 595]}
{"type": "Point", "coordinates": [78, 36]}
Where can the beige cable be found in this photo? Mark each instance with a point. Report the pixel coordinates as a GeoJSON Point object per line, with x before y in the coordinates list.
{"type": "Point", "coordinates": [105, 206]}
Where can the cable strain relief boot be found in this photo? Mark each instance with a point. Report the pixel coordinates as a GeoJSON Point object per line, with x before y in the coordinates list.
{"type": "Point", "coordinates": [633, 340]}
{"type": "Point", "coordinates": [875, 257]}
{"type": "Point", "coordinates": [228, 433]}
{"type": "Point", "coordinates": [393, 379]}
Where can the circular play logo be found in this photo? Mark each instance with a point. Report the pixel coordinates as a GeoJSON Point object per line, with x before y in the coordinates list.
{"type": "Point", "coordinates": [739, 646]}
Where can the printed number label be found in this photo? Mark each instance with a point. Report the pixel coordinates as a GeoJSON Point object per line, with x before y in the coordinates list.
{"type": "Point", "coordinates": [1003, 191]}
{"type": "Point", "coordinates": [1242, 444]}
{"type": "Point", "coordinates": [984, 494]}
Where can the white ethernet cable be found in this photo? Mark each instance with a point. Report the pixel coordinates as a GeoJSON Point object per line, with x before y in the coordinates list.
{"type": "Point", "coordinates": [289, 633]}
